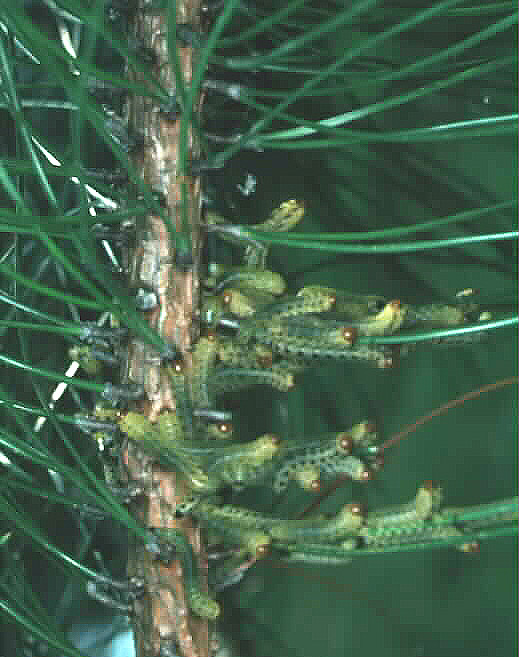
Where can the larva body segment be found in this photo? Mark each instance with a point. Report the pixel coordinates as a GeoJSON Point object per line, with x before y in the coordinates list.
{"type": "Point", "coordinates": [353, 306]}
{"type": "Point", "coordinates": [426, 503]}
{"type": "Point", "coordinates": [204, 358]}
{"type": "Point", "coordinates": [245, 302]}
{"type": "Point", "coordinates": [183, 400]}
{"type": "Point", "coordinates": [298, 305]}
{"type": "Point", "coordinates": [241, 465]}
{"type": "Point", "coordinates": [283, 218]}
{"type": "Point", "coordinates": [199, 601]}
{"type": "Point", "coordinates": [244, 278]}
{"type": "Point", "coordinates": [229, 379]}
{"type": "Point", "coordinates": [347, 522]}
{"type": "Point", "coordinates": [234, 523]}
{"type": "Point", "coordinates": [234, 354]}
{"type": "Point", "coordinates": [436, 316]}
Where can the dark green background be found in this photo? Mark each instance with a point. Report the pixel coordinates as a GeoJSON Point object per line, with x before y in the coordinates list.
{"type": "Point", "coordinates": [437, 604]}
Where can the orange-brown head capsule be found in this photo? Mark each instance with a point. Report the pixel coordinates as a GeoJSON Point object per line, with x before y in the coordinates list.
{"type": "Point", "coordinates": [315, 485]}
{"type": "Point", "coordinates": [469, 548]}
{"type": "Point", "coordinates": [367, 475]}
{"type": "Point", "coordinates": [225, 427]}
{"type": "Point", "coordinates": [348, 335]}
{"type": "Point", "coordinates": [345, 442]}
{"type": "Point", "coordinates": [178, 366]}
{"type": "Point", "coordinates": [356, 509]}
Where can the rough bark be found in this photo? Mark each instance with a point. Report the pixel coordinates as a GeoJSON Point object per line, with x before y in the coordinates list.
{"type": "Point", "coordinates": [162, 619]}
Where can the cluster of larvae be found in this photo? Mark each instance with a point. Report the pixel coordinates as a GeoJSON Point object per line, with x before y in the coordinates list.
{"type": "Point", "coordinates": [255, 332]}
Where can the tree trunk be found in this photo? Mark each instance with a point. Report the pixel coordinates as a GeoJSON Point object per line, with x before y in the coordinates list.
{"type": "Point", "coordinates": [163, 621]}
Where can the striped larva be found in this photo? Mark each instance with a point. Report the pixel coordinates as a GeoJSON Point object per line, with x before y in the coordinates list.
{"type": "Point", "coordinates": [260, 280]}
{"type": "Point", "coordinates": [232, 353]}
{"type": "Point", "coordinates": [310, 338]}
{"type": "Point", "coordinates": [228, 519]}
{"type": "Point", "coordinates": [227, 379]}
{"type": "Point", "coordinates": [347, 522]}
{"type": "Point", "coordinates": [416, 512]}
{"type": "Point", "coordinates": [283, 218]}
{"type": "Point", "coordinates": [354, 306]}
{"type": "Point", "coordinates": [237, 524]}
{"type": "Point", "coordinates": [329, 455]}
{"type": "Point", "coordinates": [297, 305]}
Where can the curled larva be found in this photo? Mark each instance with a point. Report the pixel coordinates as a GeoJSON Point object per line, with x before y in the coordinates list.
{"type": "Point", "coordinates": [283, 218]}
{"type": "Point", "coordinates": [412, 514]}
{"type": "Point", "coordinates": [241, 465]}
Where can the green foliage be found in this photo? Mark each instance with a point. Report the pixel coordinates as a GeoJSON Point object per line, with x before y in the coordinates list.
{"type": "Point", "coordinates": [387, 122]}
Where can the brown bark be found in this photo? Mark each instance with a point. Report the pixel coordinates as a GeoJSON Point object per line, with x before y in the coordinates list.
{"type": "Point", "coordinates": [162, 617]}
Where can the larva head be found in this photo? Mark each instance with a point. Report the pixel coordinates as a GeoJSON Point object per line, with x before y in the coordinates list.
{"type": "Point", "coordinates": [363, 433]}
{"type": "Point", "coordinates": [469, 548]}
{"type": "Point", "coordinates": [212, 309]}
{"type": "Point", "coordinates": [258, 544]}
{"type": "Point", "coordinates": [345, 442]}
{"type": "Point", "coordinates": [204, 606]}
{"type": "Point", "coordinates": [347, 335]}
{"type": "Point", "coordinates": [267, 446]}
{"type": "Point", "coordinates": [169, 426]}
{"type": "Point", "coordinates": [317, 298]}
{"type": "Point", "coordinates": [351, 517]}
{"type": "Point", "coordinates": [428, 499]}
{"type": "Point", "coordinates": [238, 303]}
{"type": "Point", "coordinates": [211, 336]}
{"type": "Point", "coordinates": [359, 472]}
{"type": "Point", "coordinates": [225, 429]}
{"type": "Point", "coordinates": [283, 380]}
{"type": "Point", "coordinates": [264, 356]}
{"type": "Point", "coordinates": [389, 319]}
{"type": "Point", "coordinates": [307, 476]}
{"type": "Point", "coordinates": [136, 426]}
